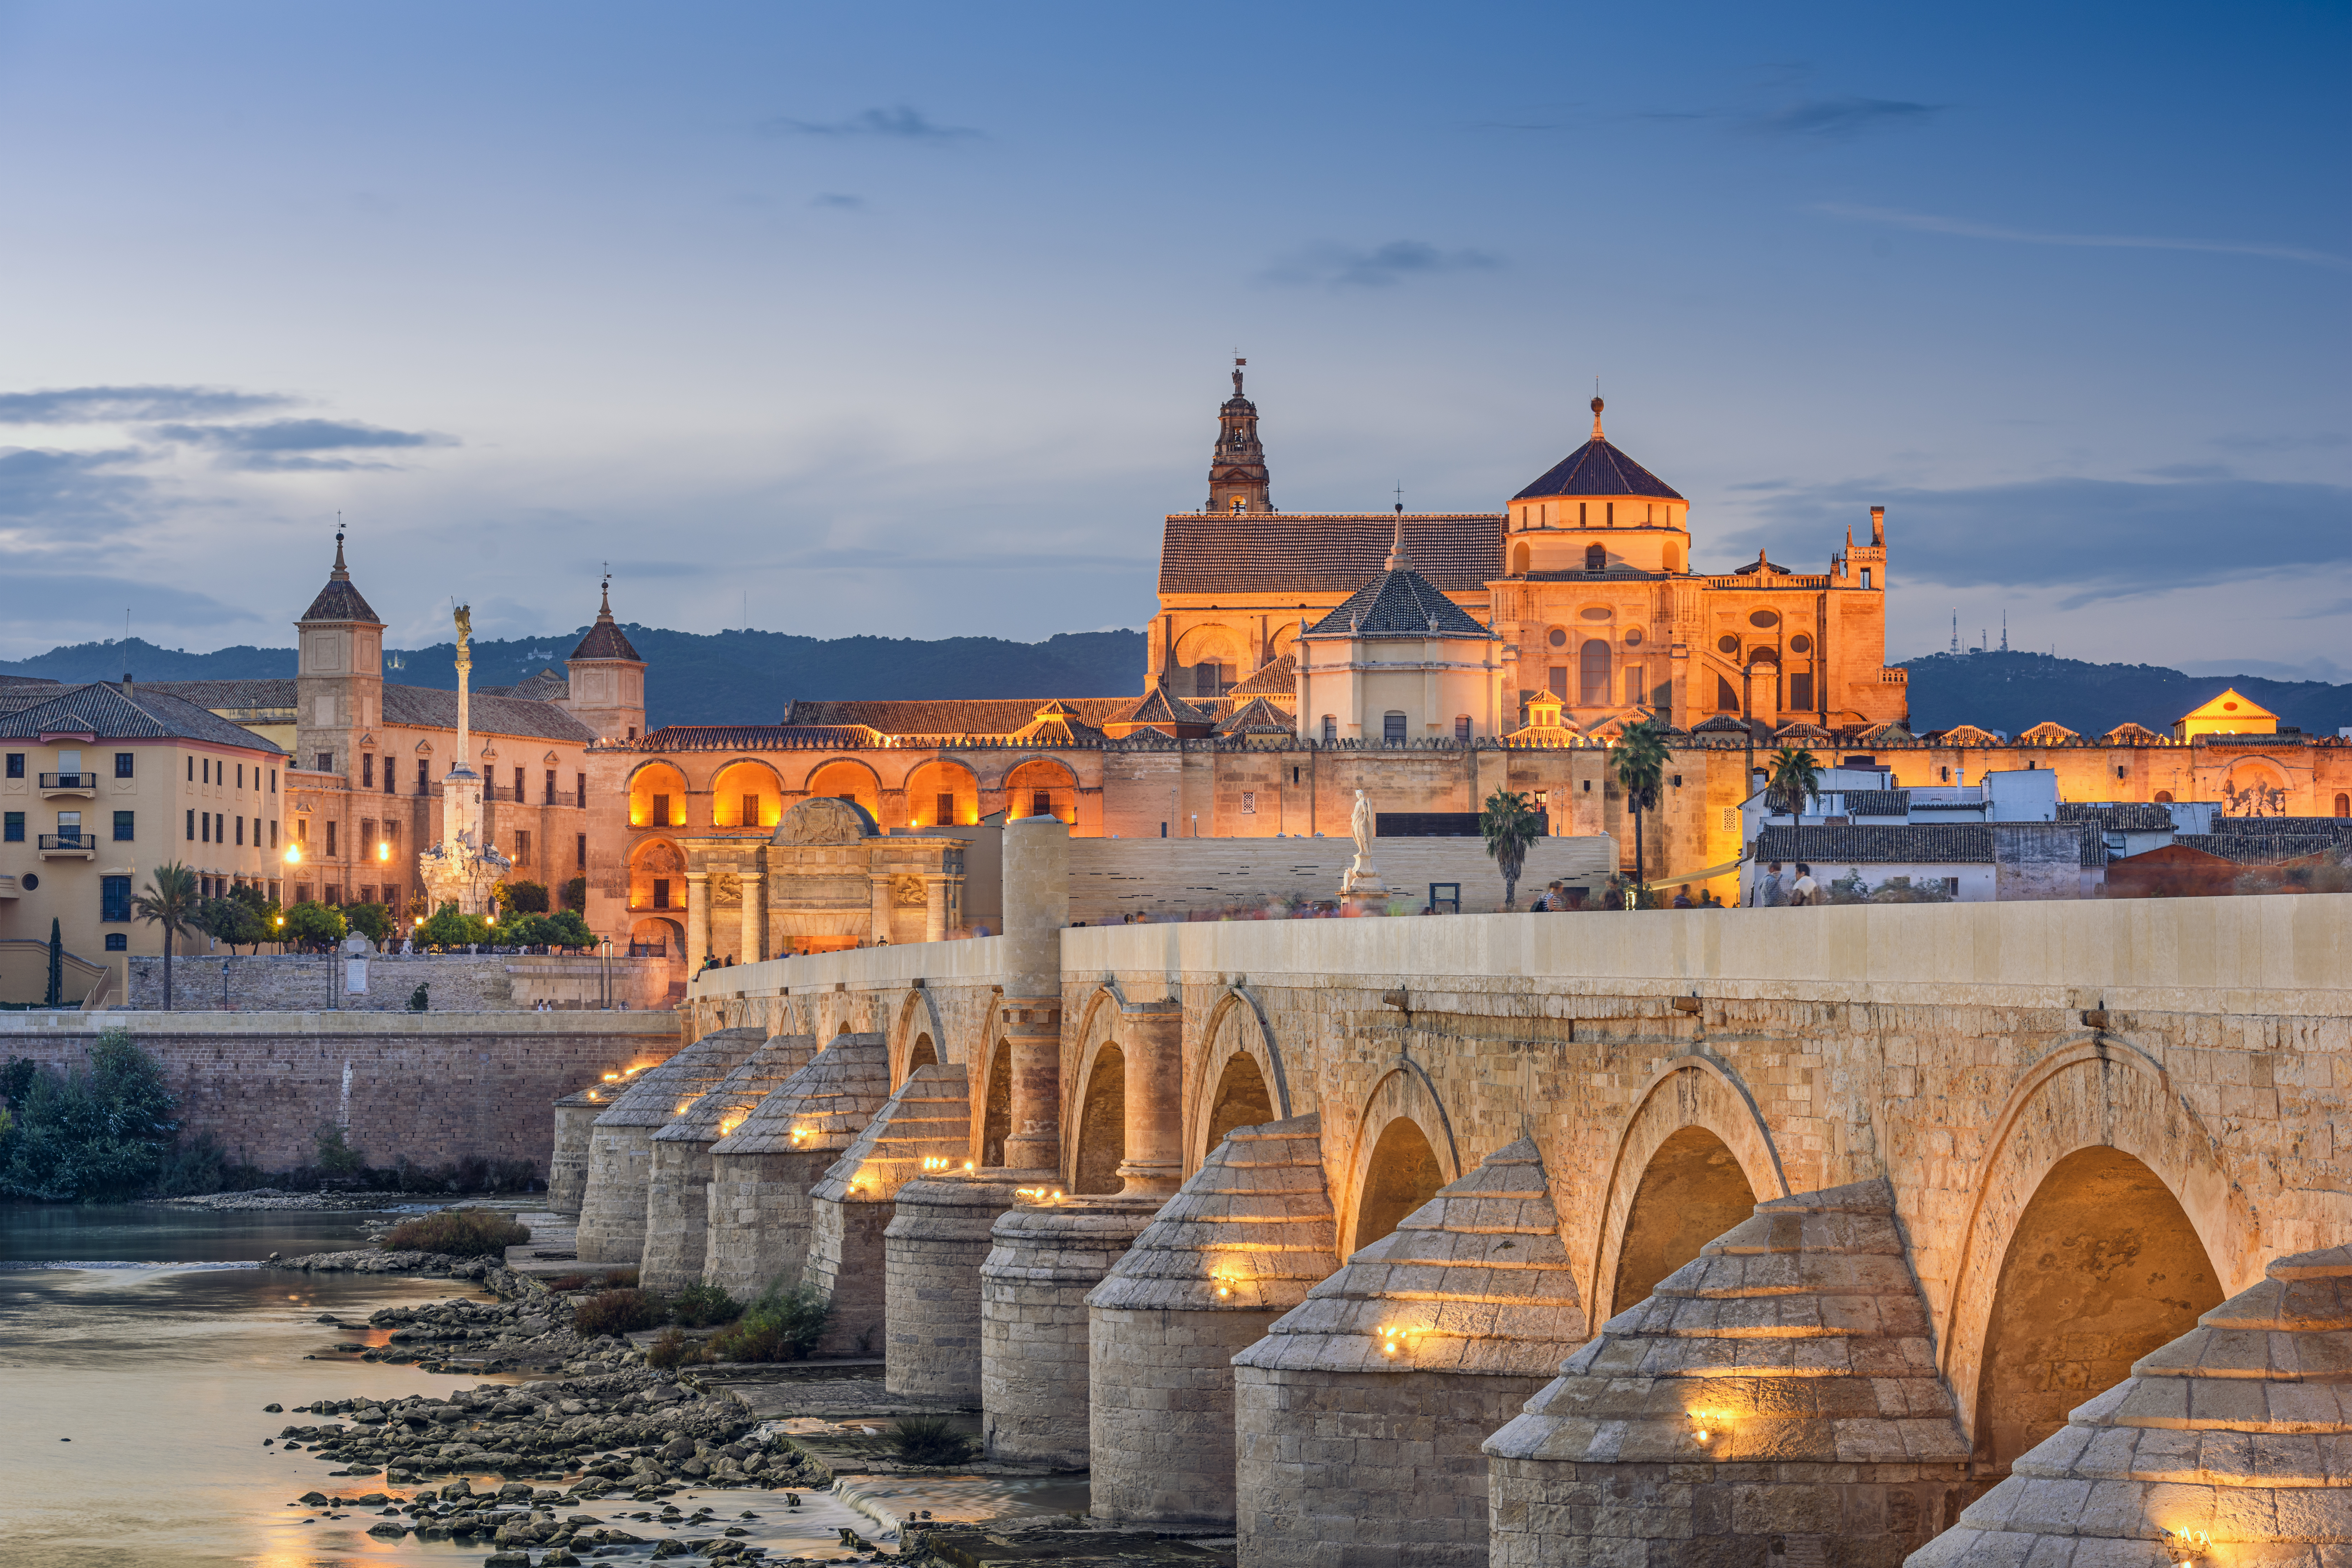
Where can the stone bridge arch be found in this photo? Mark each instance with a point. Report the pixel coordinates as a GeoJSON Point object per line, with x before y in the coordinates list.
{"type": "Point", "coordinates": [1241, 1079]}
{"type": "Point", "coordinates": [2086, 1135]}
{"type": "Point", "coordinates": [1694, 1128]}
{"type": "Point", "coordinates": [1095, 1107]}
{"type": "Point", "coordinates": [1403, 1150]}
{"type": "Point", "coordinates": [917, 1038]}
{"type": "Point", "coordinates": [991, 1102]}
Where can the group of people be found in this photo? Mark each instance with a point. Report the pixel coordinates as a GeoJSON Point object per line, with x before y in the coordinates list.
{"type": "Point", "coordinates": [1770, 893]}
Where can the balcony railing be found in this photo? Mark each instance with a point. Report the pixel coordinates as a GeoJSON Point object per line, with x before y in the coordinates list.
{"type": "Point", "coordinates": [68, 842]}
{"type": "Point", "coordinates": [69, 783]}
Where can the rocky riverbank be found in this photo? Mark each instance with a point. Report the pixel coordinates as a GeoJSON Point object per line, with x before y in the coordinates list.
{"type": "Point", "coordinates": [276, 1199]}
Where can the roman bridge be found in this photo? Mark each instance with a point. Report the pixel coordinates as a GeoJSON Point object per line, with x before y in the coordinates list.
{"type": "Point", "coordinates": [1838, 1212]}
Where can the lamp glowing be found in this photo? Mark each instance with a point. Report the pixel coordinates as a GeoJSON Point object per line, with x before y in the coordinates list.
{"type": "Point", "coordinates": [293, 854]}
{"type": "Point", "coordinates": [384, 852]}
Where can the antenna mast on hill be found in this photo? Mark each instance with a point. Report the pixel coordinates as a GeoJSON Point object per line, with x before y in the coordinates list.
{"type": "Point", "coordinates": [1956, 628]}
{"type": "Point", "coordinates": [2004, 631]}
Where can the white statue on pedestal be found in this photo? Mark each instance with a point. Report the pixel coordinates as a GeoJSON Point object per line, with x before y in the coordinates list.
{"type": "Point", "coordinates": [463, 868]}
{"type": "Point", "coordinates": [1362, 877]}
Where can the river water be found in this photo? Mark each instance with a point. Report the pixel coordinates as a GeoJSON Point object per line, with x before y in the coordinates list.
{"type": "Point", "coordinates": [138, 1345]}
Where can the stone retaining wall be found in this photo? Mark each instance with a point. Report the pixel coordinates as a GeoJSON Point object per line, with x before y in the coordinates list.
{"type": "Point", "coordinates": [433, 1089]}
{"type": "Point", "coordinates": [454, 983]}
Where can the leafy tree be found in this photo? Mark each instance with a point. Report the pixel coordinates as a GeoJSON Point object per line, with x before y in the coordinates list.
{"type": "Point", "coordinates": [448, 928]}
{"type": "Point", "coordinates": [575, 893]}
{"type": "Point", "coordinates": [524, 930]}
{"type": "Point", "coordinates": [1796, 777]}
{"type": "Point", "coordinates": [315, 927]}
{"type": "Point", "coordinates": [1510, 822]}
{"type": "Point", "coordinates": [104, 1132]}
{"type": "Point", "coordinates": [243, 917]}
{"type": "Point", "coordinates": [570, 929]}
{"type": "Point", "coordinates": [521, 898]}
{"type": "Point", "coordinates": [170, 901]}
{"type": "Point", "coordinates": [1641, 763]}
{"type": "Point", "coordinates": [54, 994]}
{"type": "Point", "coordinates": [373, 922]}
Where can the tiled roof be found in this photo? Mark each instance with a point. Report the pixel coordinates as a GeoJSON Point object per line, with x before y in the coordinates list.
{"type": "Point", "coordinates": [2049, 729]}
{"type": "Point", "coordinates": [2272, 826]}
{"type": "Point", "coordinates": [12, 682]}
{"type": "Point", "coordinates": [339, 601]}
{"type": "Point", "coordinates": [2253, 850]}
{"type": "Point", "coordinates": [1285, 553]}
{"type": "Point", "coordinates": [1280, 678]}
{"type": "Point", "coordinates": [101, 710]}
{"type": "Point", "coordinates": [606, 640]}
{"type": "Point", "coordinates": [1160, 706]}
{"type": "Point", "coordinates": [1959, 844]}
{"type": "Point", "coordinates": [1256, 717]}
{"type": "Point", "coordinates": [244, 695]}
{"type": "Point", "coordinates": [2256, 740]}
{"type": "Point", "coordinates": [947, 716]}
{"type": "Point", "coordinates": [427, 708]}
{"type": "Point", "coordinates": [1885, 735]}
{"type": "Point", "coordinates": [755, 737]}
{"type": "Point", "coordinates": [1597, 468]}
{"type": "Point", "coordinates": [2123, 816]}
{"type": "Point", "coordinates": [2130, 734]}
{"type": "Point", "coordinates": [1401, 603]}
{"type": "Point", "coordinates": [1878, 803]}
{"type": "Point", "coordinates": [1801, 730]}
{"type": "Point", "coordinates": [545, 687]}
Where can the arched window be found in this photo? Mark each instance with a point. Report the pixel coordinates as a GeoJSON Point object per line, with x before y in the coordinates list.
{"type": "Point", "coordinates": [1519, 562]}
{"type": "Point", "coordinates": [1596, 558]}
{"type": "Point", "coordinates": [2344, 806]}
{"type": "Point", "coordinates": [1592, 675]}
{"type": "Point", "coordinates": [1393, 728]}
{"type": "Point", "coordinates": [2164, 797]}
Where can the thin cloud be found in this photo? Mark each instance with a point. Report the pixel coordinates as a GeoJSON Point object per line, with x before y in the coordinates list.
{"type": "Point", "coordinates": [151, 602]}
{"type": "Point", "coordinates": [116, 405]}
{"type": "Point", "coordinates": [840, 200]}
{"type": "Point", "coordinates": [2114, 539]}
{"type": "Point", "coordinates": [1335, 265]}
{"type": "Point", "coordinates": [49, 497]}
{"type": "Point", "coordinates": [900, 124]}
{"type": "Point", "coordinates": [1842, 119]}
{"type": "Point", "coordinates": [295, 446]}
{"type": "Point", "coordinates": [1928, 223]}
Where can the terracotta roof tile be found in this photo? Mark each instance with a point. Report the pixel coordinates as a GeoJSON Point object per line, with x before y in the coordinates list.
{"type": "Point", "coordinates": [1597, 468]}
{"type": "Point", "coordinates": [1283, 553]}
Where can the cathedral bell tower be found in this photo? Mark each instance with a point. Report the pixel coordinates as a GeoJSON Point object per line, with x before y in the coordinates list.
{"type": "Point", "coordinates": [607, 690]}
{"type": "Point", "coordinates": [339, 683]}
{"type": "Point", "coordinates": [1238, 481]}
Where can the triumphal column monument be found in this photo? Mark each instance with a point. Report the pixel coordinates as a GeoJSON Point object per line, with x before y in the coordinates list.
{"type": "Point", "coordinates": [463, 868]}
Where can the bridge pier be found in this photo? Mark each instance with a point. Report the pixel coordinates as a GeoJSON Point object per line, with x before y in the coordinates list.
{"type": "Point", "coordinates": [761, 1173]}
{"type": "Point", "coordinates": [1238, 1246]}
{"type": "Point", "coordinates": [1775, 1399]}
{"type": "Point", "coordinates": [620, 1147]}
{"type": "Point", "coordinates": [678, 1211]}
{"type": "Point", "coordinates": [1358, 1419]}
{"type": "Point", "coordinates": [849, 1209]}
{"type": "Point", "coordinates": [933, 1251]}
{"type": "Point", "coordinates": [575, 1124]}
{"type": "Point", "coordinates": [1044, 1259]}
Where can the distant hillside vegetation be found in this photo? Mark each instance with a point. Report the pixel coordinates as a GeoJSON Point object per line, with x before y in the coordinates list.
{"type": "Point", "coordinates": [2014, 692]}
{"type": "Point", "coordinates": [721, 677]}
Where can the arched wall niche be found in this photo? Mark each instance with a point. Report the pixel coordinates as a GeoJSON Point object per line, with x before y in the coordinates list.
{"type": "Point", "coordinates": [1089, 1078]}
{"type": "Point", "coordinates": [2096, 1092]}
{"type": "Point", "coordinates": [1222, 1096]}
{"type": "Point", "coordinates": [1694, 1091]}
{"type": "Point", "coordinates": [1403, 1146]}
{"type": "Point", "coordinates": [746, 792]}
{"type": "Point", "coordinates": [916, 1035]}
{"type": "Point", "coordinates": [849, 777]}
{"type": "Point", "coordinates": [649, 786]}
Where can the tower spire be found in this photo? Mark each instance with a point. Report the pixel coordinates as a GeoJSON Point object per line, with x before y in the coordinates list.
{"type": "Point", "coordinates": [1596, 416]}
{"type": "Point", "coordinates": [1398, 559]}
{"type": "Point", "coordinates": [341, 574]}
{"type": "Point", "coordinates": [1237, 474]}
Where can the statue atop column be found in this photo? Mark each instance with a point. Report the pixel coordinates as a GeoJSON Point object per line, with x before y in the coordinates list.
{"type": "Point", "coordinates": [1362, 880]}
{"type": "Point", "coordinates": [463, 868]}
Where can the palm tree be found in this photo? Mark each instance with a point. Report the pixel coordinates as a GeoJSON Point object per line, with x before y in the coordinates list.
{"type": "Point", "coordinates": [170, 901]}
{"type": "Point", "coordinates": [1641, 763]}
{"type": "Point", "coordinates": [1796, 777]}
{"type": "Point", "coordinates": [1510, 824]}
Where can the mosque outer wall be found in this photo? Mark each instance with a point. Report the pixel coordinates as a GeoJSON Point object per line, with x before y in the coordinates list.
{"type": "Point", "coordinates": [432, 1088]}
{"type": "Point", "coordinates": [1960, 1050]}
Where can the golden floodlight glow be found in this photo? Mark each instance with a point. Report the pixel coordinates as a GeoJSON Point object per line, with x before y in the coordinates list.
{"type": "Point", "coordinates": [610, 1077]}
{"type": "Point", "coordinates": [728, 1124]}
{"type": "Point", "coordinates": [967, 1165]}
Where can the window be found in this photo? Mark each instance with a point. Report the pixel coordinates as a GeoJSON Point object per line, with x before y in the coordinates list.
{"type": "Point", "coordinates": [1951, 886]}
{"type": "Point", "coordinates": [1637, 684]}
{"type": "Point", "coordinates": [70, 827]}
{"type": "Point", "coordinates": [123, 764]}
{"type": "Point", "coordinates": [2343, 803]}
{"type": "Point", "coordinates": [1865, 583]}
{"type": "Point", "coordinates": [191, 827]}
{"type": "Point", "coordinates": [424, 783]}
{"type": "Point", "coordinates": [1800, 691]}
{"type": "Point", "coordinates": [1593, 673]}
{"type": "Point", "coordinates": [192, 770]}
{"type": "Point", "coordinates": [1040, 803]}
{"type": "Point", "coordinates": [273, 781]}
{"type": "Point", "coordinates": [367, 835]}
{"type": "Point", "coordinates": [522, 847]}
{"type": "Point", "coordinates": [326, 762]}
{"type": "Point", "coordinates": [661, 810]}
{"type": "Point", "coordinates": [661, 892]}
{"type": "Point", "coordinates": [205, 827]}
{"type": "Point", "coordinates": [117, 942]}
{"type": "Point", "coordinates": [579, 850]}
{"type": "Point", "coordinates": [124, 821]}
{"type": "Point", "coordinates": [333, 893]}
{"type": "Point", "coordinates": [1581, 518]}
{"type": "Point", "coordinates": [632, 732]}
{"type": "Point", "coordinates": [1731, 819]}
{"type": "Point", "coordinates": [331, 839]}
{"type": "Point", "coordinates": [240, 831]}
{"type": "Point", "coordinates": [550, 787]}
{"type": "Point", "coordinates": [750, 811]}
{"type": "Point", "coordinates": [273, 835]}
{"type": "Point", "coordinates": [1596, 558]}
{"type": "Point", "coordinates": [391, 778]}
{"type": "Point", "coordinates": [15, 764]}
{"type": "Point", "coordinates": [1249, 803]}
{"type": "Point", "coordinates": [367, 770]}
{"type": "Point", "coordinates": [391, 834]}
{"type": "Point", "coordinates": [580, 790]}
{"type": "Point", "coordinates": [1330, 729]}
{"type": "Point", "coordinates": [1801, 643]}
{"type": "Point", "coordinates": [1393, 728]}
{"type": "Point", "coordinates": [943, 810]}
{"type": "Point", "coordinates": [114, 898]}
{"type": "Point", "coordinates": [303, 831]}
{"type": "Point", "coordinates": [240, 775]}
{"type": "Point", "coordinates": [302, 892]}
{"type": "Point", "coordinates": [2164, 797]}
{"type": "Point", "coordinates": [12, 828]}
{"type": "Point", "coordinates": [1557, 637]}
{"type": "Point", "coordinates": [519, 795]}
{"type": "Point", "coordinates": [1613, 514]}
{"type": "Point", "coordinates": [1462, 726]}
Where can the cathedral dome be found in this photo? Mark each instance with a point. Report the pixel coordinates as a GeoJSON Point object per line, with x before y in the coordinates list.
{"type": "Point", "coordinates": [1597, 468]}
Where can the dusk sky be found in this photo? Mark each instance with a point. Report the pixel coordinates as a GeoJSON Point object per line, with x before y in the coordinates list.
{"type": "Point", "coordinates": [913, 320]}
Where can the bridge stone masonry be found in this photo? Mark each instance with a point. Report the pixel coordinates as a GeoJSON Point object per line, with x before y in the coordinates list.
{"type": "Point", "coordinates": [1740, 1237]}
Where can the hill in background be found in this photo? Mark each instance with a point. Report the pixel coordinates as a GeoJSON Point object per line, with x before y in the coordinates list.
{"type": "Point", "coordinates": [718, 678]}
{"type": "Point", "coordinates": [748, 677]}
{"type": "Point", "coordinates": [2011, 692]}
